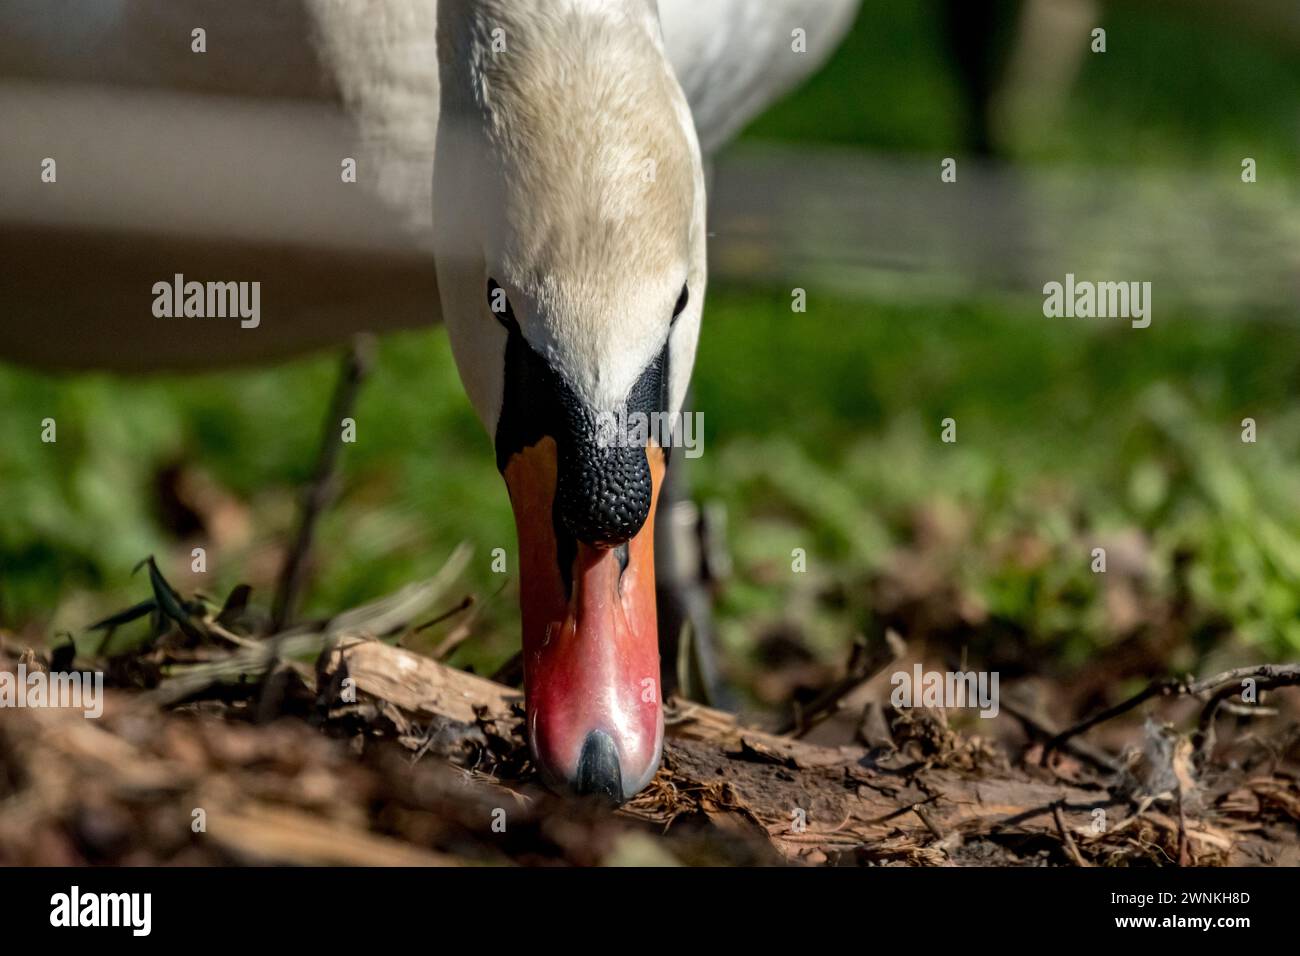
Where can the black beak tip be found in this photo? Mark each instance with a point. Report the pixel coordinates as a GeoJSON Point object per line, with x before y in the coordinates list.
{"type": "Point", "coordinates": [599, 774]}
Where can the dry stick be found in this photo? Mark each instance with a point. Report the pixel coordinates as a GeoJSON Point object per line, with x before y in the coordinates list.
{"type": "Point", "coordinates": [909, 808]}
{"type": "Point", "coordinates": [928, 820]}
{"type": "Point", "coordinates": [1160, 687]}
{"type": "Point", "coordinates": [1247, 711]}
{"type": "Point", "coordinates": [320, 491]}
{"type": "Point", "coordinates": [378, 618]}
{"type": "Point", "coordinates": [1184, 847]}
{"type": "Point", "coordinates": [1274, 674]}
{"type": "Point", "coordinates": [464, 604]}
{"type": "Point", "coordinates": [455, 638]}
{"type": "Point", "coordinates": [1040, 729]}
{"type": "Point", "coordinates": [1212, 706]}
{"type": "Point", "coordinates": [863, 666]}
{"type": "Point", "coordinates": [1066, 838]}
{"type": "Point", "coordinates": [465, 629]}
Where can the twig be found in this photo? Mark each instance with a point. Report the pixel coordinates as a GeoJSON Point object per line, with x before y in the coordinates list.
{"type": "Point", "coordinates": [1040, 729]}
{"type": "Point", "coordinates": [256, 658]}
{"type": "Point", "coordinates": [214, 629]}
{"type": "Point", "coordinates": [462, 605]}
{"type": "Point", "coordinates": [465, 629]}
{"type": "Point", "coordinates": [1283, 676]}
{"type": "Point", "coordinates": [320, 490]}
{"type": "Point", "coordinates": [928, 820]}
{"type": "Point", "coordinates": [1184, 847]}
{"type": "Point", "coordinates": [451, 643]}
{"type": "Point", "coordinates": [863, 665]}
{"type": "Point", "coordinates": [1247, 711]}
{"type": "Point", "coordinates": [909, 808]}
{"type": "Point", "coordinates": [1070, 847]}
{"type": "Point", "coordinates": [1270, 675]}
{"type": "Point", "coordinates": [1156, 688]}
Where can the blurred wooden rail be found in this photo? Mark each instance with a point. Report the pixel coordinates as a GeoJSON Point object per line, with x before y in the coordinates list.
{"type": "Point", "coordinates": [887, 227]}
{"type": "Point", "coordinates": [154, 182]}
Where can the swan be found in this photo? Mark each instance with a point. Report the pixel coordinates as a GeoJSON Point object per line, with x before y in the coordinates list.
{"type": "Point", "coordinates": [552, 157]}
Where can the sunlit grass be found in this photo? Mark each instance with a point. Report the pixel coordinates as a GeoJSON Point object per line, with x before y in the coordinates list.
{"type": "Point", "coordinates": [822, 432]}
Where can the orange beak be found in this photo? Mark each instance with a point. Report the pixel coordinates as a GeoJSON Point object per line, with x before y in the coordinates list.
{"type": "Point", "coordinates": [590, 639]}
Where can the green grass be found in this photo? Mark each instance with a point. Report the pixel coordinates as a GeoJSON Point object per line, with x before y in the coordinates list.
{"type": "Point", "coordinates": [1067, 432]}
{"type": "Point", "coordinates": [822, 432]}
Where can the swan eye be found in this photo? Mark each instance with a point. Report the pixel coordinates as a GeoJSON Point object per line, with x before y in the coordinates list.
{"type": "Point", "coordinates": [499, 303]}
{"type": "Point", "coordinates": [681, 302]}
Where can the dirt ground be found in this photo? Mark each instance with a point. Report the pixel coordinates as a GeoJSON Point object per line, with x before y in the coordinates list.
{"type": "Point", "coordinates": [222, 747]}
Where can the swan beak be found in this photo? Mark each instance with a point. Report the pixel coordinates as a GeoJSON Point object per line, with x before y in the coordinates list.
{"type": "Point", "coordinates": [590, 639]}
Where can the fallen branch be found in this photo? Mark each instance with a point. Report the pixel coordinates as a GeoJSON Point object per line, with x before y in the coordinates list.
{"type": "Point", "coordinates": [1269, 675]}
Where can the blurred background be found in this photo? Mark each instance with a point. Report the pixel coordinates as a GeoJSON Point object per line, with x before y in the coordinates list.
{"type": "Point", "coordinates": [822, 428]}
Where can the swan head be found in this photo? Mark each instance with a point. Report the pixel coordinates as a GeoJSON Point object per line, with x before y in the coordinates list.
{"type": "Point", "coordinates": [569, 222]}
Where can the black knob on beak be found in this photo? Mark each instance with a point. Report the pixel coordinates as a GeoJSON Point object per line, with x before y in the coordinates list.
{"type": "Point", "coordinates": [599, 773]}
{"type": "Point", "coordinates": [603, 494]}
